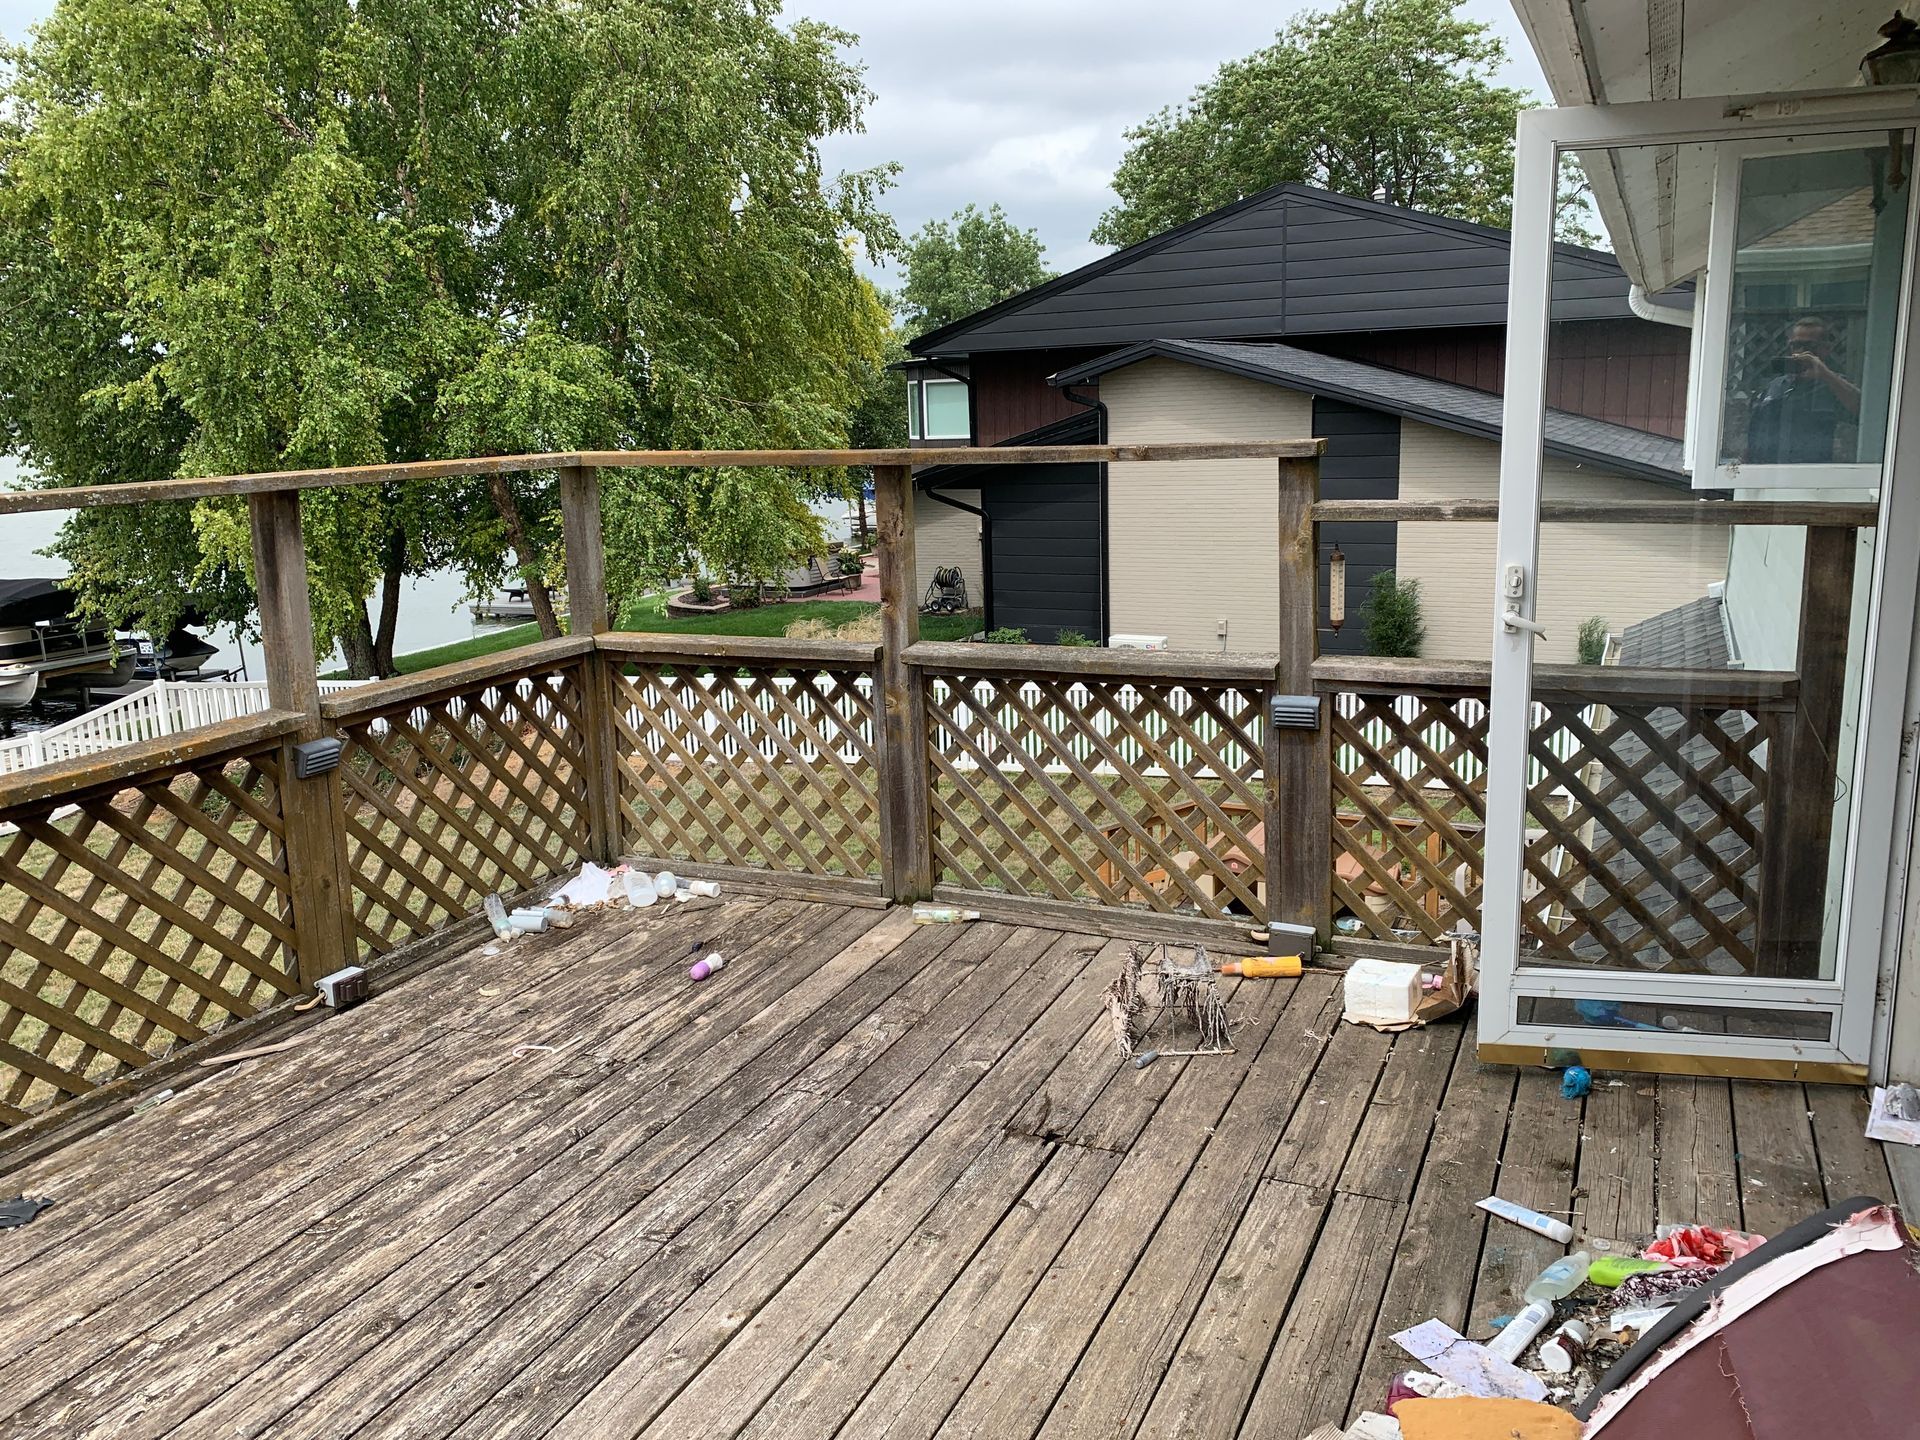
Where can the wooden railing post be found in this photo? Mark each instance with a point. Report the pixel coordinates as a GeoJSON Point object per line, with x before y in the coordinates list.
{"type": "Point", "coordinates": [906, 804]}
{"type": "Point", "coordinates": [313, 811]}
{"type": "Point", "coordinates": [1299, 763]}
{"type": "Point", "coordinates": [1803, 764]}
{"type": "Point", "coordinates": [587, 615]}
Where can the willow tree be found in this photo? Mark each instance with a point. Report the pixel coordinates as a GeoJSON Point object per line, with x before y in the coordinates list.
{"type": "Point", "coordinates": [263, 234]}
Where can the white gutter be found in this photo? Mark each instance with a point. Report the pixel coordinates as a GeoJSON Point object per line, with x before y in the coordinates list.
{"type": "Point", "coordinates": [1642, 305]}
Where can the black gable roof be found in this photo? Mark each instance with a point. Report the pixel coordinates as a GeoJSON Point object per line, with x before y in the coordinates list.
{"type": "Point", "coordinates": [1292, 260]}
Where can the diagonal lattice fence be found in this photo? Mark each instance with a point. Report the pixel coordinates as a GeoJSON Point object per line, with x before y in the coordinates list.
{"type": "Point", "coordinates": [452, 797]}
{"type": "Point", "coordinates": [136, 917]}
{"type": "Point", "coordinates": [763, 765]}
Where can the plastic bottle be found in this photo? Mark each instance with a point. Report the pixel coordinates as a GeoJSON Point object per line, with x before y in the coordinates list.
{"type": "Point", "coordinates": [1518, 1332]}
{"type": "Point", "coordinates": [1566, 1349]}
{"type": "Point", "coordinates": [942, 915]}
{"type": "Point", "coordinates": [1610, 1270]}
{"type": "Point", "coordinates": [640, 891]}
{"type": "Point", "coordinates": [664, 884]}
{"type": "Point", "coordinates": [1561, 1278]}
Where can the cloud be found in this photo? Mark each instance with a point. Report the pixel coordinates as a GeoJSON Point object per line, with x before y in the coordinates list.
{"type": "Point", "coordinates": [1027, 104]}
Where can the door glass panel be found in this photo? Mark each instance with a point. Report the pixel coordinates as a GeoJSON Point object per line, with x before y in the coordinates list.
{"type": "Point", "coordinates": [1814, 289]}
{"type": "Point", "coordinates": [1690, 754]}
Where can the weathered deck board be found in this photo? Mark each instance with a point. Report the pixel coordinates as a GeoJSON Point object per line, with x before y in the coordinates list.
{"type": "Point", "coordinates": [873, 1180]}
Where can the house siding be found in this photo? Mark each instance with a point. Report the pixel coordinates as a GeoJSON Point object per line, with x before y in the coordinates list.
{"type": "Point", "coordinates": [1011, 395]}
{"type": "Point", "coordinates": [1046, 551]}
{"type": "Point", "coordinates": [1193, 542]}
{"type": "Point", "coordinates": [1624, 573]}
{"type": "Point", "coordinates": [1361, 462]}
{"type": "Point", "coordinates": [943, 535]}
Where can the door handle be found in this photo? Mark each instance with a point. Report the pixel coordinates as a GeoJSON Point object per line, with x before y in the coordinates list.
{"type": "Point", "coordinates": [1516, 622]}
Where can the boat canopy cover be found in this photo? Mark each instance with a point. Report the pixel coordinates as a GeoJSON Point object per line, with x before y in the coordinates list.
{"type": "Point", "coordinates": [22, 602]}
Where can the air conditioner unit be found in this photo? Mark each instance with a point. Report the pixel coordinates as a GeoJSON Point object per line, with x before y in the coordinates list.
{"type": "Point", "coordinates": [1137, 642]}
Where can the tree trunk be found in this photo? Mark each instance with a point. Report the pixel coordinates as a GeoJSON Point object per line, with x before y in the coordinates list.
{"type": "Point", "coordinates": [860, 542]}
{"type": "Point", "coordinates": [529, 567]}
{"type": "Point", "coordinates": [390, 603]}
{"type": "Point", "coordinates": [356, 645]}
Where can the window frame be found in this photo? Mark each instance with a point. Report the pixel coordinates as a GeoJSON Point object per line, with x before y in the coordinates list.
{"type": "Point", "coordinates": [926, 383]}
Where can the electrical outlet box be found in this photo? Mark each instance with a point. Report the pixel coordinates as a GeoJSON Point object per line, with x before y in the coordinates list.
{"type": "Point", "coordinates": [1221, 629]}
{"type": "Point", "coordinates": [344, 988]}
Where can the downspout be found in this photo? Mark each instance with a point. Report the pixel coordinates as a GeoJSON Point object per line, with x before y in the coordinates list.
{"type": "Point", "coordinates": [1099, 408]}
{"type": "Point", "coordinates": [986, 551]}
{"type": "Point", "coordinates": [986, 522]}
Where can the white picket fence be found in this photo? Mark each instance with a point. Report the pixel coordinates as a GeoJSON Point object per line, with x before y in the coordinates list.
{"type": "Point", "coordinates": [165, 707]}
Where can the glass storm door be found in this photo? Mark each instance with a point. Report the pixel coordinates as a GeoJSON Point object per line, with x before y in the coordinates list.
{"type": "Point", "coordinates": [1690, 805]}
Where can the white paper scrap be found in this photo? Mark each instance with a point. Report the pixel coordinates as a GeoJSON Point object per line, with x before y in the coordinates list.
{"type": "Point", "coordinates": [1469, 1364]}
{"type": "Point", "coordinates": [587, 889]}
{"type": "Point", "coordinates": [1882, 1124]}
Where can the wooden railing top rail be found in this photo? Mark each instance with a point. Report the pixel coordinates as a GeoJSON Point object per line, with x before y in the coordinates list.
{"type": "Point", "coordinates": [1088, 662]}
{"type": "Point", "coordinates": [1817, 514]}
{"type": "Point", "coordinates": [194, 488]}
{"type": "Point", "coordinates": [1757, 689]}
{"type": "Point", "coordinates": [378, 695]}
{"type": "Point", "coordinates": [747, 649]}
{"type": "Point", "coordinates": [65, 780]}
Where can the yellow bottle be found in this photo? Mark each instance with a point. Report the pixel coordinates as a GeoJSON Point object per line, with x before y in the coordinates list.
{"type": "Point", "coordinates": [1265, 967]}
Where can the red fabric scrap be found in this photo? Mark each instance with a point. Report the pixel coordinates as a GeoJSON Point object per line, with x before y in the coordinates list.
{"type": "Point", "coordinates": [1702, 1245]}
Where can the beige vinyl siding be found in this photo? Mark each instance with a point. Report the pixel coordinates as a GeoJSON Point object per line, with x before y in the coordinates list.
{"type": "Point", "coordinates": [1624, 573]}
{"type": "Point", "coordinates": [1191, 543]}
{"type": "Point", "coordinates": [943, 535]}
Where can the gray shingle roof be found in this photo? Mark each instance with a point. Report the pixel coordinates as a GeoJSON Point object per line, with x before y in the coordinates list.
{"type": "Point", "coordinates": [1687, 637]}
{"type": "Point", "coordinates": [1452, 407]}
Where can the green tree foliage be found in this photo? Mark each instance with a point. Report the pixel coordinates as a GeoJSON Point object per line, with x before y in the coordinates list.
{"type": "Point", "coordinates": [956, 267]}
{"type": "Point", "coordinates": [1593, 640]}
{"type": "Point", "coordinates": [1391, 97]}
{"type": "Point", "coordinates": [1392, 616]}
{"type": "Point", "coordinates": [257, 235]}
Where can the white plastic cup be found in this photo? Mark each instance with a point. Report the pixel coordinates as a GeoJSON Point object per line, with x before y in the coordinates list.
{"type": "Point", "coordinates": [640, 892]}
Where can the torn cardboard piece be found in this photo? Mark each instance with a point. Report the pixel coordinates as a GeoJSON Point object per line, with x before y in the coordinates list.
{"type": "Point", "coordinates": [1469, 1364]}
{"type": "Point", "coordinates": [1459, 976]}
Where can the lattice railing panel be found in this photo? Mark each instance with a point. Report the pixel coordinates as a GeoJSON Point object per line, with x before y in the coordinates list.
{"type": "Point", "coordinates": [1109, 791]}
{"type": "Point", "coordinates": [451, 799]}
{"type": "Point", "coordinates": [136, 920]}
{"type": "Point", "coordinates": [1643, 829]}
{"type": "Point", "coordinates": [1645, 837]}
{"type": "Point", "coordinates": [765, 766]}
{"type": "Point", "coordinates": [1409, 806]}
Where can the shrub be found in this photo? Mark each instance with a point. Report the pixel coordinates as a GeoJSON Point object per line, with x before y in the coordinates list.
{"type": "Point", "coordinates": [860, 627]}
{"type": "Point", "coordinates": [1392, 616]}
{"type": "Point", "coordinates": [849, 562]}
{"type": "Point", "coordinates": [1593, 640]}
{"type": "Point", "coordinates": [1073, 640]}
{"type": "Point", "coordinates": [746, 596]}
{"type": "Point", "coordinates": [1006, 635]}
{"type": "Point", "coordinates": [702, 590]}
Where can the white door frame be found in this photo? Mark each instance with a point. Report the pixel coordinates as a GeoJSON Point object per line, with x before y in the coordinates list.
{"type": "Point", "coordinates": [1543, 135]}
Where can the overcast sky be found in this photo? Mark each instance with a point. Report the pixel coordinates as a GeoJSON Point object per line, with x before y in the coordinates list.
{"type": "Point", "coordinates": [1023, 102]}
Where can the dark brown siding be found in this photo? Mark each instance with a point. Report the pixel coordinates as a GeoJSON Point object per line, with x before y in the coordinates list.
{"type": "Point", "coordinates": [1011, 395]}
{"type": "Point", "coordinates": [1632, 372]}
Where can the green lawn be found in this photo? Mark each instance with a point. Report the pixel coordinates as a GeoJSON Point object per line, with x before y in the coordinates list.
{"type": "Point", "coordinates": [650, 615]}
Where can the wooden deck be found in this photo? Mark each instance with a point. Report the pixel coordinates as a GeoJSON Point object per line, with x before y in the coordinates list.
{"type": "Point", "coordinates": [871, 1180]}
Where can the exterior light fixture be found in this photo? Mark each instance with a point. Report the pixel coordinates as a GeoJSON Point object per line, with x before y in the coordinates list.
{"type": "Point", "coordinates": [1336, 588]}
{"type": "Point", "coordinates": [1898, 61]}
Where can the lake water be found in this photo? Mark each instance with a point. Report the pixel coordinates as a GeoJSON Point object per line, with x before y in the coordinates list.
{"type": "Point", "coordinates": [435, 611]}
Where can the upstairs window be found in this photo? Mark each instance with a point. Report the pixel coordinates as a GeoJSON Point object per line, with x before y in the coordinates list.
{"type": "Point", "coordinates": [946, 416]}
